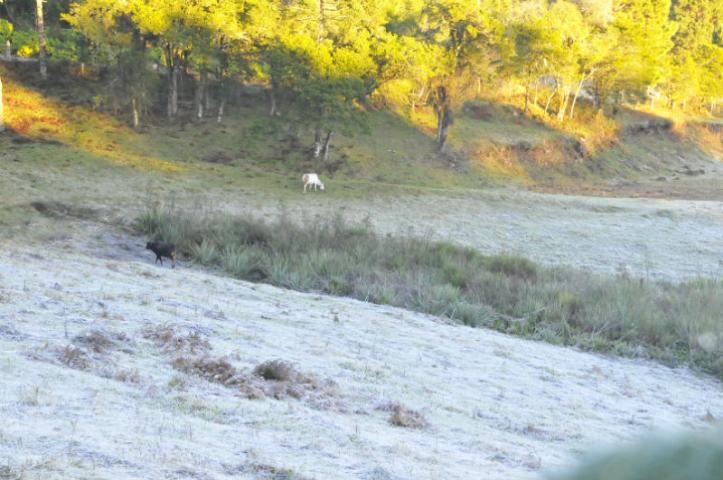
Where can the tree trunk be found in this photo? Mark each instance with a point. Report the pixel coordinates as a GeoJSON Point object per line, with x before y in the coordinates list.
{"type": "Point", "coordinates": [322, 22]}
{"type": "Point", "coordinates": [173, 92]}
{"type": "Point", "coordinates": [564, 99]}
{"type": "Point", "coordinates": [444, 116]}
{"type": "Point", "coordinates": [198, 98]}
{"type": "Point", "coordinates": [2, 118]}
{"type": "Point", "coordinates": [8, 49]}
{"type": "Point", "coordinates": [220, 111]}
{"type": "Point", "coordinates": [549, 100]}
{"type": "Point", "coordinates": [40, 26]}
{"type": "Point", "coordinates": [318, 145]}
{"type": "Point", "coordinates": [136, 114]}
{"type": "Point", "coordinates": [326, 145]}
{"type": "Point", "coordinates": [443, 129]}
{"type": "Point", "coordinates": [577, 94]}
{"type": "Point", "coordinates": [221, 94]}
{"type": "Point", "coordinates": [206, 95]}
{"type": "Point", "coordinates": [172, 106]}
{"type": "Point", "coordinates": [272, 101]}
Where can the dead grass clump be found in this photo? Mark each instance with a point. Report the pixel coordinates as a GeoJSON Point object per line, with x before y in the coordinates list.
{"type": "Point", "coordinates": [214, 370]}
{"type": "Point", "coordinates": [220, 371]}
{"type": "Point", "coordinates": [128, 376]}
{"type": "Point", "coordinates": [276, 379]}
{"type": "Point", "coordinates": [276, 370]}
{"type": "Point", "coordinates": [99, 341]}
{"type": "Point", "coordinates": [265, 472]}
{"type": "Point", "coordinates": [74, 357]}
{"type": "Point", "coordinates": [401, 416]}
{"type": "Point", "coordinates": [8, 473]}
{"type": "Point", "coordinates": [282, 380]}
{"type": "Point", "coordinates": [168, 338]}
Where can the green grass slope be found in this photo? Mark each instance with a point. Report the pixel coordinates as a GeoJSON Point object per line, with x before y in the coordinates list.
{"type": "Point", "coordinates": [54, 128]}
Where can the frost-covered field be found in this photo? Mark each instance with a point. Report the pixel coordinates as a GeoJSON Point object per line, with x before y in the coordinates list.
{"type": "Point", "coordinates": [88, 389]}
{"type": "Point", "coordinates": [650, 238]}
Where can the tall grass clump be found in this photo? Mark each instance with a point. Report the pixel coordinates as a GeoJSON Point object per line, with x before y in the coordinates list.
{"type": "Point", "coordinates": [673, 323]}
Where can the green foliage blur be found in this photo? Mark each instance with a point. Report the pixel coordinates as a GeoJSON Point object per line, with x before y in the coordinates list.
{"type": "Point", "coordinates": [331, 59]}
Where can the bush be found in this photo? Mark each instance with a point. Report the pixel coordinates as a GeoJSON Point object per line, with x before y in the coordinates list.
{"type": "Point", "coordinates": [25, 43]}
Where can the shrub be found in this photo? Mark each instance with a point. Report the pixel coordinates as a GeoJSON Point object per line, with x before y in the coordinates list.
{"type": "Point", "coordinates": [513, 266]}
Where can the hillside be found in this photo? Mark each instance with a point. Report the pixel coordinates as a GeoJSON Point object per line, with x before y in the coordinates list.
{"type": "Point", "coordinates": [113, 368]}
{"type": "Point", "coordinates": [640, 155]}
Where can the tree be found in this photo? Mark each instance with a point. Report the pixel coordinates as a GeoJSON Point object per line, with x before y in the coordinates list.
{"type": "Point", "coordinates": [457, 26]}
{"type": "Point", "coordinates": [641, 58]}
{"type": "Point", "coordinates": [6, 33]}
{"type": "Point", "coordinates": [40, 26]}
{"type": "Point", "coordinates": [327, 92]}
{"type": "Point", "coordinates": [117, 43]}
{"type": "Point", "coordinates": [696, 58]}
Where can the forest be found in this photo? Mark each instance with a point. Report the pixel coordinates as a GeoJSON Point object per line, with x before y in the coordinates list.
{"type": "Point", "coordinates": [323, 63]}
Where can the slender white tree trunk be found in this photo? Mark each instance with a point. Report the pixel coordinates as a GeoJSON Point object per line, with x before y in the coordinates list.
{"type": "Point", "coordinates": [549, 100]}
{"type": "Point", "coordinates": [317, 143]}
{"type": "Point", "coordinates": [199, 97]}
{"type": "Point", "coordinates": [136, 114]}
{"type": "Point", "coordinates": [272, 102]}
{"type": "Point", "coordinates": [564, 100]}
{"type": "Point", "coordinates": [219, 118]}
{"type": "Point", "coordinates": [40, 25]}
{"type": "Point", "coordinates": [577, 94]}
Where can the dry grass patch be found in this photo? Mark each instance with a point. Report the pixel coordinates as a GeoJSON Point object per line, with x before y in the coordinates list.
{"type": "Point", "coordinates": [265, 472]}
{"type": "Point", "coordinates": [9, 473]}
{"type": "Point", "coordinates": [275, 379]}
{"type": "Point", "coordinates": [74, 357]}
{"type": "Point", "coordinates": [132, 376]}
{"type": "Point", "coordinates": [170, 339]}
{"type": "Point", "coordinates": [402, 416]}
{"type": "Point", "coordinates": [219, 370]}
{"type": "Point", "coordinates": [99, 341]}
{"type": "Point", "coordinates": [91, 351]}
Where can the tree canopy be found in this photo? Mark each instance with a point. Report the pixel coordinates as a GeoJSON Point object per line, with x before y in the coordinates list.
{"type": "Point", "coordinates": [332, 58]}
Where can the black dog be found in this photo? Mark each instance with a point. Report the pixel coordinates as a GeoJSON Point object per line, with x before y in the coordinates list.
{"type": "Point", "coordinates": [163, 249]}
